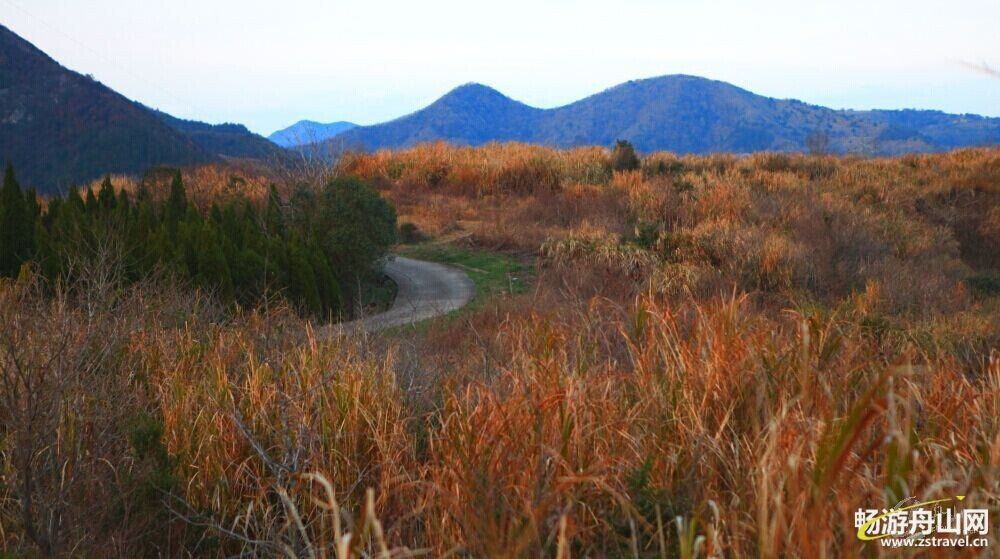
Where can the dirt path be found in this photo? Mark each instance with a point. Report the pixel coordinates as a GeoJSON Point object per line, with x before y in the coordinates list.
{"type": "Point", "coordinates": [425, 290]}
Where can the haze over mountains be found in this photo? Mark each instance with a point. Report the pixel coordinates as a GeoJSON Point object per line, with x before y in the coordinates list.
{"type": "Point", "coordinates": [684, 114]}
{"type": "Point", "coordinates": [60, 128]}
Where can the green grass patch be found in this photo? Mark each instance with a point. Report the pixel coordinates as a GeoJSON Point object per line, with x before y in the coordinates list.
{"type": "Point", "coordinates": [493, 273]}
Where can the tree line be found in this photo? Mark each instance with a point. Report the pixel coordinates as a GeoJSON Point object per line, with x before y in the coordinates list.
{"type": "Point", "coordinates": [316, 248]}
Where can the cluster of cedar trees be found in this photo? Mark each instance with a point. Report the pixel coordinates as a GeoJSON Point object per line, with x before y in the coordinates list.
{"type": "Point", "coordinates": [315, 249]}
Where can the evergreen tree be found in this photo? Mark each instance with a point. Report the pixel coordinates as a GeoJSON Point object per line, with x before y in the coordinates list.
{"type": "Point", "coordinates": [91, 204]}
{"type": "Point", "coordinates": [124, 203]}
{"type": "Point", "coordinates": [51, 211]}
{"type": "Point", "coordinates": [177, 204]}
{"type": "Point", "coordinates": [73, 198]}
{"type": "Point", "coordinates": [212, 269]}
{"type": "Point", "coordinates": [302, 281]}
{"type": "Point", "coordinates": [16, 226]}
{"type": "Point", "coordinates": [142, 193]}
{"type": "Point", "coordinates": [215, 214]}
{"type": "Point", "coordinates": [31, 202]}
{"type": "Point", "coordinates": [106, 196]}
{"type": "Point", "coordinates": [354, 224]}
{"type": "Point", "coordinates": [247, 270]}
{"type": "Point", "coordinates": [46, 255]}
{"type": "Point", "coordinates": [326, 282]}
{"type": "Point", "coordinates": [34, 211]}
{"type": "Point", "coordinates": [274, 220]}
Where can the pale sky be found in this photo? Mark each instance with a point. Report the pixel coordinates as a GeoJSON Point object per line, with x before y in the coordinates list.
{"type": "Point", "coordinates": [269, 63]}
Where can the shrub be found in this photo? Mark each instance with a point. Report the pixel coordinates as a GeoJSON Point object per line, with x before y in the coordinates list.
{"type": "Point", "coordinates": [623, 157]}
{"type": "Point", "coordinates": [410, 234]}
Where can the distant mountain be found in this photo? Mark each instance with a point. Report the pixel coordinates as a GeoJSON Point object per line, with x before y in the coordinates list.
{"type": "Point", "coordinates": [471, 114]}
{"type": "Point", "coordinates": [60, 128]}
{"type": "Point", "coordinates": [684, 114]}
{"type": "Point", "coordinates": [308, 132]}
{"type": "Point", "coordinates": [224, 140]}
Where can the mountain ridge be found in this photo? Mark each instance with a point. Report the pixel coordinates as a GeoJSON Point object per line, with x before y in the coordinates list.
{"type": "Point", "coordinates": [678, 112]}
{"type": "Point", "coordinates": [307, 132]}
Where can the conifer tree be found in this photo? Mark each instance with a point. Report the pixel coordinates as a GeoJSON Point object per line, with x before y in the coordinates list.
{"type": "Point", "coordinates": [91, 204]}
{"type": "Point", "coordinates": [51, 211]}
{"type": "Point", "coordinates": [34, 211]}
{"type": "Point", "coordinates": [302, 281]}
{"type": "Point", "coordinates": [213, 271]}
{"type": "Point", "coordinates": [16, 226]}
{"type": "Point", "coordinates": [31, 203]}
{"type": "Point", "coordinates": [106, 196]}
{"type": "Point", "coordinates": [177, 204]}
{"type": "Point", "coordinates": [326, 282]}
{"type": "Point", "coordinates": [274, 221]}
{"type": "Point", "coordinates": [247, 271]}
{"type": "Point", "coordinates": [124, 202]}
{"type": "Point", "coordinates": [142, 193]}
{"type": "Point", "coordinates": [73, 198]}
{"type": "Point", "coordinates": [215, 214]}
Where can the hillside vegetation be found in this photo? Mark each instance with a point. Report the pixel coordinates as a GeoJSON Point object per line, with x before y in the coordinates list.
{"type": "Point", "coordinates": [715, 356]}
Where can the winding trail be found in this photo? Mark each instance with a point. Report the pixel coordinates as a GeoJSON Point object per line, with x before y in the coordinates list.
{"type": "Point", "coordinates": [424, 290]}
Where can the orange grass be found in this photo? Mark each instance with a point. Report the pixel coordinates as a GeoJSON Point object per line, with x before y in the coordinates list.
{"type": "Point", "coordinates": [719, 356]}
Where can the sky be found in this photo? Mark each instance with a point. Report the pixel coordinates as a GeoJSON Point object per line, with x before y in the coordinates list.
{"type": "Point", "coordinates": [270, 63]}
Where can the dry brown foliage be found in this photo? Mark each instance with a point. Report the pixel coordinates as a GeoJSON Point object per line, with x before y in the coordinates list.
{"type": "Point", "coordinates": [718, 356]}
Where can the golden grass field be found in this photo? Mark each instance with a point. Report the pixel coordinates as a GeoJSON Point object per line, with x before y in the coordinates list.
{"type": "Point", "coordinates": [714, 356]}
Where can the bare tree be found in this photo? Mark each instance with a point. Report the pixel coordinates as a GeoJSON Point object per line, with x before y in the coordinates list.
{"type": "Point", "coordinates": [62, 406]}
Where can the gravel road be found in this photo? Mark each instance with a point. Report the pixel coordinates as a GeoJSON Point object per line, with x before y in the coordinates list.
{"type": "Point", "coordinates": [425, 290]}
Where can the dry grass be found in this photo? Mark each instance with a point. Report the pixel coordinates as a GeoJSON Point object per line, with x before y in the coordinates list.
{"type": "Point", "coordinates": [719, 356]}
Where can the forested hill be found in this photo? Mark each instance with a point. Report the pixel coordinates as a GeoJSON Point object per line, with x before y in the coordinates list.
{"type": "Point", "coordinates": [224, 140]}
{"type": "Point", "coordinates": [683, 114]}
{"type": "Point", "coordinates": [60, 128]}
